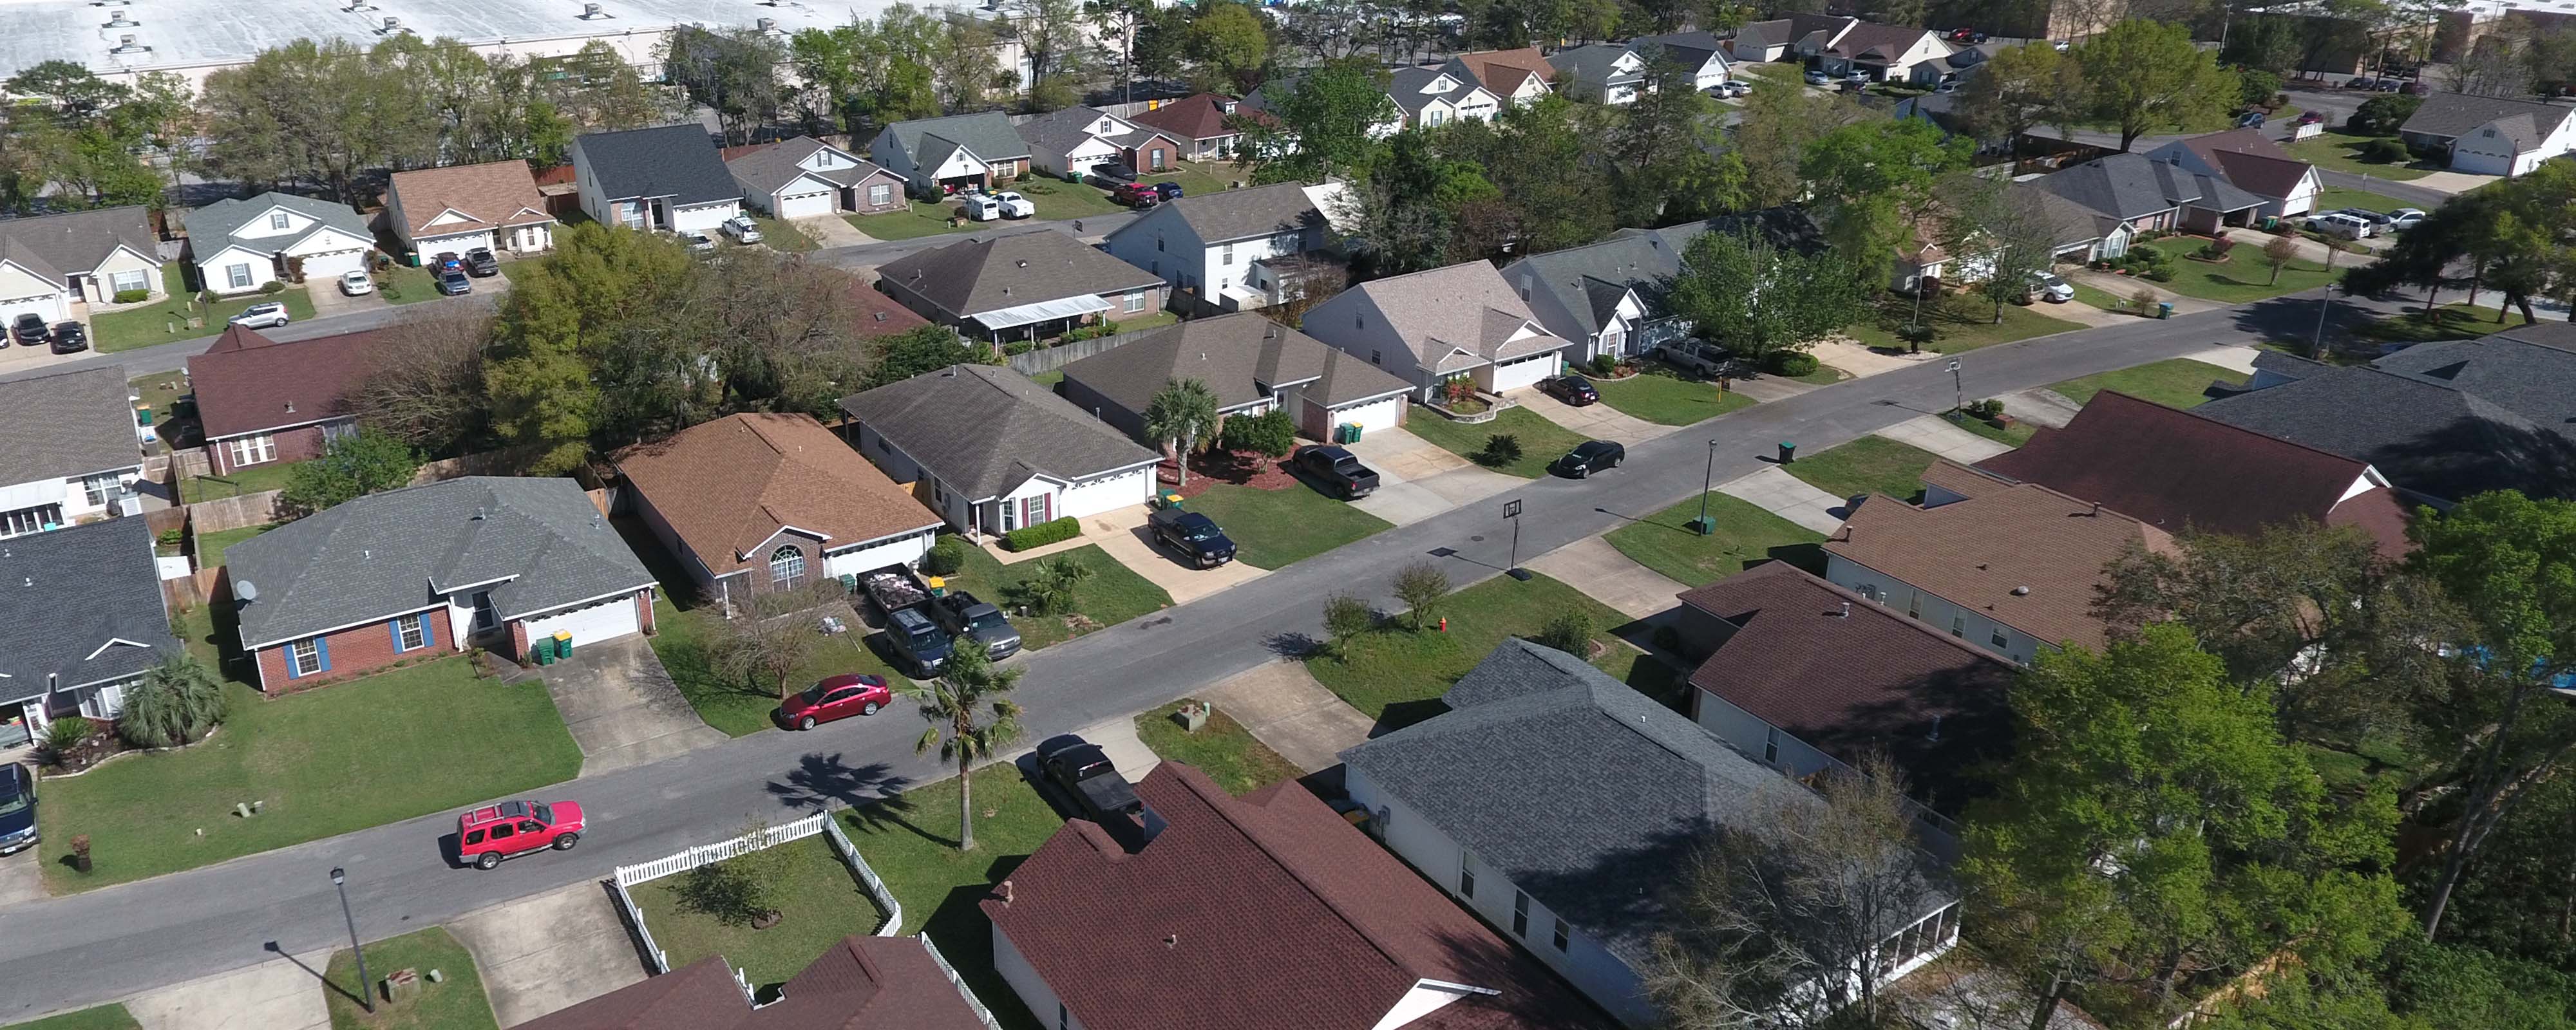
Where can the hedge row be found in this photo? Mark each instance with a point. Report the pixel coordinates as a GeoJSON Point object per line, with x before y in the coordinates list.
{"type": "Point", "coordinates": [1042, 534]}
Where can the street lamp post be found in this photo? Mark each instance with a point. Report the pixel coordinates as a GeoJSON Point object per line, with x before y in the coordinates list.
{"type": "Point", "coordinates": [366, 994]}
{"type": "Point", "coordinates": [1707, 479]}
{"type": "Point", "coordinates": [1512, 511]}
{"type": "Point", "coordinates": [1958, 386]}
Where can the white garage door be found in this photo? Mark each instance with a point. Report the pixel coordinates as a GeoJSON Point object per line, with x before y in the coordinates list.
{"type": "Point", "coordinates": [703, 219]}
{"type": "Point", "coordinates": [805, 205]}
{"type": "Point", "coordinates": [1524, 372]}
{"type": "Point", "coordinates": [607, 620]}
{"type": "Point", "coordinates": [1372, 415]}
{"type": "Point", "coordinates": [49, 305]}
{"type": "Point", "coordinates": [329, 266]}
{"type": "Point", "coordinates": [457, 245]}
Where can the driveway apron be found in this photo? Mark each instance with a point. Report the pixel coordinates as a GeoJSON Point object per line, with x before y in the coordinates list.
{"type": "Point", "coordinates": [1284, 708]}
{"type": "Point", "coordinates": [1598, 421]}
{"type": "Point", "coordinates": [622, 707]}
{"type": "Point", "coordinates": [280, 994]}
{"type": "Point", "coordinates": [550, 951]}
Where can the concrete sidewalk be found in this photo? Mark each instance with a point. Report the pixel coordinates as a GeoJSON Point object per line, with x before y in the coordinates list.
{"type": "Point", "coordinates": [1774, 490]}
{"type": "Point", "coordinates": [280, 994]}
{"type": "Point", "coordinates": [1593, 566]}
{"type": "Point", "coordinates": [1939, 436]}
{"type": "Point", "coordinates": [1285, 709]}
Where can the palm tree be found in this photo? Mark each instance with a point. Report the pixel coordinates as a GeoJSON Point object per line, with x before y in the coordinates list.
{"type": "Point", "coordinates": [957, 705]}
{"type": "Point", "coordinates": [179, 701]}
{"type": "Point", "coordinates": [1183, 413]}
{"type": "Point", "coordinates": [1052, 588]}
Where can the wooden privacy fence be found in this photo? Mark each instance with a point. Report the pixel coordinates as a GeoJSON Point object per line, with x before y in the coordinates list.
{"type": "Point", "coordinates": [627, 876]}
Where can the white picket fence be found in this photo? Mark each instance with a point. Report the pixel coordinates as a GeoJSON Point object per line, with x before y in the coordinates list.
{"type": "Point", "coordinates": [697, 855]}
{"type": "Point", "coordinates": [959, 982]}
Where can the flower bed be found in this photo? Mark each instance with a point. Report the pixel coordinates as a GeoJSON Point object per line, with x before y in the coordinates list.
{"type": "Point", "coordinates": [1240, 468]}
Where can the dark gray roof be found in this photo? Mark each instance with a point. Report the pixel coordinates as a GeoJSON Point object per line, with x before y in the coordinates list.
{"type": "Point", "coordinates": [2530, 371]}
{"type": "Point", "coordinates": [1242, 357]}
{"type": "Point", "coordinates": [1406, 85]}
{"type": "Point", "coordinates": [979, 275]}
{"type": "Point", "coordinates": [1062, 131]}
{"type": "Point", "coordinates": [984, 430]}
{"type": "Point", "coordinates": [1786, 227]}
{"type": "Point", "coordinates": [1588, 281]}
{"type": "Point", "coordinates": [767, 170]}
{"type": "Point", "coordinates": [676, 161]}
{"type": "Point", "coordinates": [65, 595]}
{"type": "Point", "coordinates": [2424, 422]}
{"type": "Point", "coordinates": [402, 550]}
{"type": "Point", "coordinates": [988, 133]}
{"type": "Point", "coordinates": [53, 246]}
{"type": "Point", "coordinates": [1688, 49]}
{"type": "Point", "coordinates": [210, 228]}
{"type": "Point", "coordinates": [1593, 64]}
{"type": "Point", "coordinates": [66, 424]}
{"type": "Point", "coordinates": [2456, 114]}
{"type": "Point", "coordinates": [2130, 186]}
{"type": "Point", "coordinates": [1247, 213]}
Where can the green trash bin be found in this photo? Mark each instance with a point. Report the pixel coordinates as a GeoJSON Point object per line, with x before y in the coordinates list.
{"type": "Point", "coordinates": [542, 652]}
{"type": "Point", "coordinates": [2164, 310]}
{"type": "Point", "coordinates": [563, 643]}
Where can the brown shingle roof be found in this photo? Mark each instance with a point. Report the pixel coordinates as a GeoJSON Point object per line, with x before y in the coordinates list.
{"type": "Point", "coordinates": [699, 996]}
{"type": "Point", "coordinates": [1265, 912]}
{"type": "Point", "coordinates": [1978, 552]}
{"type": "Point", "coordinates": [247, 383]}
{"type": "Point", "coordinates": [1199, 117]}
{"type": "Point", "coordinates": [2176, 470]}
{"type": "Point", "coordinates": [880, 315]}
{"type": "Point", "coordinates": [861, 983]}
{"type": "Point", "coordinates": [727, 486]}
{"type": "Point", "coordinates": [1502, 71]}
{"type": "Point", "coordinates": [501, 193]}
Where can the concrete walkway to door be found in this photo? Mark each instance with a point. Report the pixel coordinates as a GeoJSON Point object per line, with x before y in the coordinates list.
{"type": "Point", "coordinates": [622, 708]}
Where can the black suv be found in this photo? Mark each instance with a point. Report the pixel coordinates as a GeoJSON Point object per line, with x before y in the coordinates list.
{"type": "Point", "coordinates": [480, 263]}
{"type": "Point", "coordinates": [30, 329]}
{"type": "Point", "coordinates": [918, 641]}
{"type": "Point", "coordinates": [1194, 535]}
{"type": "Point", "coordinates": [70, 338]}
{"type": "Point", "coordinates": [17, 808]}
{"type": "Point", "coordinates": [961, 614]}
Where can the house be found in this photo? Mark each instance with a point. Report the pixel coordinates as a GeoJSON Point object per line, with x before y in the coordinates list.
{"type": "Point", "coordinates": [1221, 246]}
{"type": "Point", "coordinates": [68, 450]}
{"type": "Point", "coordinates": [1550, 797]}
{"type": "Point", "coordinates": [263, 401]}
{"type": "Point", "coordinates": [1608, 297]}
{"type": "Point", "coordinates": [2010, 567]}
{"type": "Point", "coordinates": [1700, 51]}
{"type": "Point", "coordinates": [2440, 421]}
{"type": "Point", "coordinates": [1081, 139]}
{"type": "Point", "coordinates": [1515, 76]}
{"type": "Point", "coordinates": [757, 502]}
{"type": "Point", "coordinates": [85, 621]}
{"type": "Point", "coordinates": [667, 179]}
{"type": "Point", "coordinates": [878, 314]}
{"type": "Point", "coordinates": [1025, 286]}
{"type": "Point", "coordinates": [808, 178]}
{"type": "Point", "coordinates": [2251, 162]}
{"type": "Point", "coordinates": [2152, 195]}
{"type": "Point", "coordinates": [1840, 45]}
{"type": "Point", "coordinates": [2078, 235]}
{"type": "Point", "coordinates": [991, 451]}
{"type": "Point", "coordinates": [941, 154]}
{"type": "Point", "coordinates": [1604, 73]}
{"type": "Point", "coordinates": [1459, 322]}
{"type": "Point", "coordinates": [2182, 471]}
{"type": "Point", "coordinates": [240, 246]}
{"type": "Point", "coordinates": [52, 265]}
{"type": "Point", "coordinates": [1432, 97]}
{"type": "Point", "coordinates": [2490, 135]}
{"type": "Point", "coordinates": [1203, 122]}
{"type": "Point", "coordinates": [860, 983]}
{"type": "Point", "coordinates": [1252, 364]}
{"type": "Point", "coordinates": [492, 206]}
{"type": "Point", "coordinates": [423, 571]}
{"type": "Point", "coordinates": [1808, 676]}
{"type": "Point", "coordinates": [1264, 912]}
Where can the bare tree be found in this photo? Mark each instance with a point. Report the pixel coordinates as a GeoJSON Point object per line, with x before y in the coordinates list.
{"type": "Point", "coordinates": [770, 635]}
{"type": "Point", "coordinates": [428, 391]}
{"type": "Point", "coordinates": [1421, 586]}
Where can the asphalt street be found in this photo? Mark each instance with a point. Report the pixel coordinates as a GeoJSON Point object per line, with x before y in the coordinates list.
{"type": "Point", "coordinates": [85, 949]}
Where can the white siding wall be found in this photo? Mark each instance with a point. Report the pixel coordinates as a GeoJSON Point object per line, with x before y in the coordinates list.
{"type": "Point", "coordinates": [1756, 738]}
{"type": "Point", "coordinates": [432, 246]}
{"type": "Point", "coordinates": [1032, 989]}
{"type": "Point", "coordinates": [1135, 244]}
{"type": "Point", "coordinates": [1958, 620]}
{"type": "Point", "coordinates": [1216, 273]}
{"type": "Point", "coordinates": [1351, 324]}
{"type": "Point", "coordinates": [903, 550]}
{"type": "Point", "coordinates": [1093, 496]}
{"type": "Point", "coordinates": [102, 285]}
{"type": "Point", "coordinates": [591, 623]}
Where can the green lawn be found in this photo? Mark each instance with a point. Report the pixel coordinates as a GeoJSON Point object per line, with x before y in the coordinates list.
{"type": "Point", "coordinates": [740, 706]}
{"type": "Point", "coordinates": [782, 236]}
{"type": "Point", "coordinates": [513, 268]}
{"type": "Point", "coordinates": [2448, 322]}
{"type": "Point", "coordinates": [1776, 71]}
{"type": "Point", "coordinates": [160, 391]}
{"type": "Point", "coordinates": [210, 546]}
{"type": "Point", "coordinates": [324, 762]}
{"type": "Point", "coordinates": [1869, 465]}
{"type": "Point", "coordinates": [1963, 323]}
{"type": "Point", "coordinates": [2174, 383]}
{"type": "Point", "coordinates": [1746, 535]}
{"type": "Point", "coordinates": [911, 841]}
{"type": "Point", "coordinates": [1200, 178]}
{"type": "Point", "coordinates": [1113, 594]}
{"type": "Point", "coordinates": [167, 319]}
{"type": "Point", "coordinates": [1396, 675]}
{"type": "Point", "coordinates": [820, 896]}
{"type": "Point", "coordinates": [2337, 197]}
{"type": "Point", "coordinates": [1274, 528]}
{"type": "Point", "coordinates": [2334, 149]}
{"type": "Point", "coordinates": [1668, 399]}
{"type": "Point", "coordinates": [919, 219]}
{"type": "Point", "coordinates": [2240, 279]}
{"type": "Point", "coordinates": [1223, 749]}
{"type": "Point", "coordinates": [403, 284]}
{"type": "Point", "coordinates": [104, 1017]}
{"type": "Point", "coordinates": [252, 480]}
{"type": "Point", "coordinates": [1824, 375]}
{"type": "Point", "coordinates": [455, 1002]}
{"type": "Point", "coordinates": [1541, 441]}
{"type": "Point", "coordinates": [2014, 435]}
{"type": "Point", "coordinates": [1049, 377]}
{"type": "Point", "coordinates": [2100, 299]}
{"type": "Point", "coordinates": [1057, 199]}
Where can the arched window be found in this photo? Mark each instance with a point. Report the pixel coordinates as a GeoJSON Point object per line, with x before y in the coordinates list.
{"type": "Point", "coordinates": [786, 568]}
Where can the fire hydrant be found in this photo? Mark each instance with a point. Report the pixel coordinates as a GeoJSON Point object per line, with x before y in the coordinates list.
{"type": "Point", "coordinates": [1444, 624]}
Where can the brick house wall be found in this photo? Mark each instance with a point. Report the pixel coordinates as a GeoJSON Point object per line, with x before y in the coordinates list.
{"type": "Point", "coordinates": [754, 578]}
{"type": "Point", "coordinates": [302, 443]}
{"type": "Point", "coordinates": [1142, 158]}
{"type": "Point", "coordinates": [894, 195]}
{"type": "Point", "coordinates": [644, 612]}
{"type": "Point", "coordinates": [351, 653]}
{"type": "Point", "coordinates": [1118, 304]}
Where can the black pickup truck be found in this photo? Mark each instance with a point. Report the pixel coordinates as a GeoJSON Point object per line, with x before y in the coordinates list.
{"type": "Point", "coordinates": [910, 631]}
{"type": "Point", "coordinates": [1084, 771]}
{"type": "Point", "coordinates": [1194, 535]}
{"type": "Point", "coordinates": [1338, 469]}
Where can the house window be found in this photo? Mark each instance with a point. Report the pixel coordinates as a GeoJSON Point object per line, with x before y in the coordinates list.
{"type": "Point", "coordinates": [1466, 875]}
{"type": "Point", "coordinates": [1914, 605]}
{"type": "Point", "coordinates": [304, 657]}
{"type": "Point", "coordinates": [1159, 154]}
{"type": "Point", "coordinates": [1158, 244]}
{"type": "Point", "coordinates": [1958, 625]}
{"type": "Point", "coordinates": [119, 282]}
{"type": "Point", "coordinates": [1771, 745]}
{"type": "Point", "coordinates": [252, 450]}
{"type": "Point", "coordinates": [786, 568]}
{"type": "Point", "coordinates": [1561, 935]}
{"type": "Point", "coordinates": [1520, 915]}
{"type": "Point", "coordinates": [1373, 357]}
{"type": "Point", "coordinates": [1063, 1017]}
{"type": "Point", "coordinates": [278, 219]}
{"type": "Point", "coordinates": [237, 276]}
{"type": "Point", "coordinates": [411, 634]}
{"type": "Point", "coordinates": [1229, 255]}
{"type": "Point", "coordinates": [880, 195]}
{"type": "Point", "coordinates": [1034, 510]}
{"type": "Point", "coordinates": [1998, 638]}
{"type": "Point", "coordinates": [30, 520]}
{"type": "Point", "coordinates": [1135, 302]}
{"type": "Point", "coordinates": [99, 489]}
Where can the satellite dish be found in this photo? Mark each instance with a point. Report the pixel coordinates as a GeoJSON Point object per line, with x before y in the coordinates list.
{"type": "Point", "coordinates": [246, 591]}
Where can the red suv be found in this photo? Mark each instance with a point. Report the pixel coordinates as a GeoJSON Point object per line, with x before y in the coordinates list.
{"type": "Point", "coordinates": [1136, 194]}
{"type": "Point", "coordinates": [836, 697]}
{"type": "Point", "coordinates": [491, 833]}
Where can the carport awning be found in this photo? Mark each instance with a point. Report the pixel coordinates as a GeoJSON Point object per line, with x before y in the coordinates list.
{"type": "Point", "coordinates": [1042, 311]}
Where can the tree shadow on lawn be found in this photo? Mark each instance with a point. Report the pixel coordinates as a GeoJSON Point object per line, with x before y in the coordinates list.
{"type": "Point", "coordinates": [872, 792]}
{"type": "Point", "coordinates": [958, 926]}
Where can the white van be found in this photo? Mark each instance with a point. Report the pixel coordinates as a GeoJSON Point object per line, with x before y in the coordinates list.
{"type": "Point", "coordinates": [2333, 223]}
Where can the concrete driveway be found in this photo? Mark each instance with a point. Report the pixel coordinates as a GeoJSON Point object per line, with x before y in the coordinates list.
{"type": "Point", "coordinates": [1133, 545]}
{"type": "Point", "coordinates": [1593, 566]}
{"type": "Point", "coordinates": [1937, 435]}
{"type": "Point", "coordinates": [329, 302]}
{"type": "Point", "coordinates": [833, 231]}
{"type": "Point", "coordinates": [21, 880]}
{"type": "Point", "coordinates": [1593, 421]}
{"type": "Point", "coordinates": [1282, 706]}
{"type": "Point", "coordinates": [550, 951]}
{"type": "Point", "coordinates": [622, 707]}
{"type": "Point", "coordinates": [1402, 460]}
{"type": "Point", "coordinates": [1774, 490]}
{"type": "Point", "coordinates": [280, 994]}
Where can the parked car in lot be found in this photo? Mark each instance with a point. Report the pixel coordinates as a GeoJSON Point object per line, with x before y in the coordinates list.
{"type": "Point", "coordinates": [910, 632]}
{"type": "Point", "coordinates": [30, 329]}
{"type": "Point", "coordinates": [742, 229]}
{"type": "Point", "coordinates": [481, 263]}
{"type": "Point", "coordinates": [985, 207]}
{"type": "Point", "coordinates": [1693, 356]}
{"type": "Point", "coordinates": [264, 315]}
{"type": "Point", "coordinates": [1731, 89]}
{"type": "Point", "coordinates": [1136, 195]}
{"type": "Point", "coordinates": [71, 338]}
{"type": "Point", "coordinates": [448, 261]}
{"type": "Point", "coordinates": [355, 283]}
{"type": "Point", "coordinates": [697, 242]}
{"type": "Point", "coordinates": [2405, 218]}
{"type": "Point", "coordinates": [454, 284]}
{"type": "Point", "coordinates": [2250, 119]}
{"type": "Point", "coordinates": [964, 615]}
{"type": "Point", "coordinates": [1014, 205]}
{"type": "Point", "coordinates": [1338, 469]}
{"type": "Point", "coordinates": [1098, 790]}
{"type": "Point", "coordinates": [1195, 536]}
{"type": "Point", "coordinates": [2050, 287]}
{"type": "Point", "coordinates": [17, 808]}
{"type": "Point", "coordinates": [836, 697]}
{"type": "Point", "coordinates": [1589, 457]}
{"type": "Point", "coordinates": [1570, 388]}
{"type": "Point", "coordinates": [486, 835]}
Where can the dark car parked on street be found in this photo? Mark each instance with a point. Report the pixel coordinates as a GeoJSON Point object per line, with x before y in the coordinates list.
{"type": "Point", "coordinates": [70, 338]}
{"type": "Point", "coordinates": [963, 615]}
{"type": "Point", "coordinates": [481, 264]}
{"type": "Point", "coordinates": [1572, 389]}
{"type": "Point", "coordinates": [1589, 457]}
{"type": "Point", "coordinates": [30, 329]}
{"type": "Point", "coordinates": [1084, 771]}
{"type": "Point", "coordinates": [1196, 536]}
{"type": "Point", "coordinates": [1337, 469]}
{"type": "Point", "coordinates": [17, 808]}
{"type": "Point", "coordinates": [1168, 190]}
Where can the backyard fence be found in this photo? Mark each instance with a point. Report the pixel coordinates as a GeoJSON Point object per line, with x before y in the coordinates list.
{"type": "Point", "coordinates": [959, 982]}
{"type": "Point", "coordinates": [1048, 359]}
{"type": "Point", "coordinates": [627, 876]}
{"type": "Point", "coordinates": [222, 513]}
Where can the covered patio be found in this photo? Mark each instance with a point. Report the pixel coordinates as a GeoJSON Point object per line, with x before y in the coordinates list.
{"type": "Point", "coordinates": [1033, 322]}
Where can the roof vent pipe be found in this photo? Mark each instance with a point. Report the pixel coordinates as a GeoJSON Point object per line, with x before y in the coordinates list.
{"type": "Point", "coordinates": [2097, 509]}
{"type": "Point", "coordinates": [2021, 591]}
{"type": "Point", "coordinates": [1846, 609]}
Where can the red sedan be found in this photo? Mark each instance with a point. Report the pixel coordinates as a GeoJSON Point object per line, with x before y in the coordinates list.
{"type": "Point", "coordinates": [836, 697]}
{"type": "Point", "coordinates": [491, 833]}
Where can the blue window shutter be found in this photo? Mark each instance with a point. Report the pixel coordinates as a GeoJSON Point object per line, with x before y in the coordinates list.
{"type": "Point", "coordinates": [290, 661]}
{"type": "Point", "coordinates": [322, 648]}
{"type": "Point", "coordinates": [396, 626]}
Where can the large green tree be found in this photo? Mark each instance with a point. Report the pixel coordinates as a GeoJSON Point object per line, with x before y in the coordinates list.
{"type": "Point", "coordinates": [1779, 127]}
{"type": "Point", "coordinates": [2019, 89]}
{"type": "Point", "coordinates": [556, 323]}
{"type": "Point", "coordinates": [352, 466]}
{"type": "Point", "coordinates": [1869, 181]}
{"type": "Point", "coordinates": [1325, 125]}
{"type": "Point", "coordinates": [1231, 43]}
{"type": "Point", "coordinates": [2142, 76]}
{"type": "Point", "coordinates": [1757, 299]}
{"type": "Point", "coordinates": [1183, 416]}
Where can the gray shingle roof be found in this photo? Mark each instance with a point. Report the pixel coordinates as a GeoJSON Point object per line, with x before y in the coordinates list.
{"type": "Point", "coordinates": [1062, 131]}
{"type": "Point", "coordinates": [988, 133]}
{"type": "Point", "coordinates": [1406, 85]}
{"type": "Point", "coordinates": [2130, 186]}
{"type": "Point", "coordinates": [2456, 114]}
{"type": "Point", "coordinates": [66, 424]}
{"type": "Point", "coordinates": [65, 594]}
{"type": "Point", "coordinates": [210, 228]}
{"type": "Point", "coordinates": [401, 550]}
{"type": "Point", "coordinates": [1688, 49]}
{"type": "Point", "coordinates": [1457, 317]}
{"type": "Point", "coordinates": [676, 161]}
{"type": "Point", "coordinates": [1593, 64]}
{"type": "Point", "coordinates": [54, 246]}
{"type": "Point", "coordinates": [984, 430]}
{"type": "Point", "coordinates": [1236, 355]}
{"type": "Point", "coordinates": [1582, 279]}
{"type": "Point", "coordinates": [1247, 213]}
{"type": "Point", "coordinates": [767, 170]}
{"type": "Point", "coordinates": [976, 276]}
